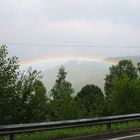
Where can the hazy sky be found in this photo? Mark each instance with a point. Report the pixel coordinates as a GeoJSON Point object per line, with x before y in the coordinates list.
{"type": "Point", "coordinates": [70, 23]}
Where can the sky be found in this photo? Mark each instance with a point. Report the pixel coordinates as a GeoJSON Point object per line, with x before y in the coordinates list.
{"type": "Point", "coordinates": [49, 29]}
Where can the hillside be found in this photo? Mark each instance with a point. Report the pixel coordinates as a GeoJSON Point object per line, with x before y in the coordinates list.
{"type": "Point", "coordinates": [81, 73]}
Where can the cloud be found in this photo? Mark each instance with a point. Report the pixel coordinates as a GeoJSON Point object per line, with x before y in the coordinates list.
{"type": "Point", "coordinates": [34, 10]}
{"type": "Point", "coordinates": [101, 22]}
{"type": "Point", "coordinates": [96, 31]}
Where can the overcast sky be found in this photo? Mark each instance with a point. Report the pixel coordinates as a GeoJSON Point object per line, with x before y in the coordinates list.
{"type": "Point", "coordinates": [114, 23]}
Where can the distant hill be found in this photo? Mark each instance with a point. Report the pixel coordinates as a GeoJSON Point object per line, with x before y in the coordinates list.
{"type": "Point", "coordinates": [81, 73]}
{"type": "Point", "coordinates": [134, 59]}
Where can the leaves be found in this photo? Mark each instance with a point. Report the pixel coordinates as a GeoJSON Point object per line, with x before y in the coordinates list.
{"type": "Point", "coordinates": [18, 104]}
{"type": "Point", "coordinates": [63, 104]}
{"type": "Point", "coordinates": [125, 96]}
{"type": "Point", "coordinates": [90, 99]}
{"type": "Point", "coordinates": [124, 67]}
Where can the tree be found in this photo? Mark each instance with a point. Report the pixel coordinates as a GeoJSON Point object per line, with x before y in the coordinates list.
{"type": "Point", "coordinates": [124, 67]}
{"type": "Point", "coordinates": [138, 65]}
{"type": "Point", "coordinates": [9, 72]}
{"type": "Point", "coordinates": [125, 97]}
{"type": "Point", "coordinates": [90, 100]}
{"type": "Point", "coordinates": [38, 107]}
{"type": "Point", "coordinates": [60, 81]}
{"type": "Point", "coordinates": [33, 100]}
{"type": "Point", "coordinates": [22, 95]}
{"type": "Point", "coordinates": [63, 104]}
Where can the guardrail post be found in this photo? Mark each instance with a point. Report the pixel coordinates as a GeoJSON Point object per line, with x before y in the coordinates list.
{"type": "Point", "coordinates": [109, 126]}
{"type": "Point", "coordinates": [12, 137]}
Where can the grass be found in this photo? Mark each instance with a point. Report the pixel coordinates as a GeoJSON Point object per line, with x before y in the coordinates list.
{"type": "Point", "coordinates": [71, 132]}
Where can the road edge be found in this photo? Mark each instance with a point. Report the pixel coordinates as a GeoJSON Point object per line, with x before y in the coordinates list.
{"type": "Point", "coordinates": [107, 135]}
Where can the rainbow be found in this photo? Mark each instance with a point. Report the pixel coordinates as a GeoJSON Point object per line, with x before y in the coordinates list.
{"type": "Point", "coordinates": [44, 60]}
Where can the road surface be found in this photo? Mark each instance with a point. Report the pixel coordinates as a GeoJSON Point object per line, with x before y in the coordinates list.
{"type": "Point", "coordinates": [129, 137]}
{"type": "Point", "coordinates": [126, 136]}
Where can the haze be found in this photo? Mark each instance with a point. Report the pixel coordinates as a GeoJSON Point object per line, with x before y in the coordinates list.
{"type": "Point", "coordinates": [33, 29]}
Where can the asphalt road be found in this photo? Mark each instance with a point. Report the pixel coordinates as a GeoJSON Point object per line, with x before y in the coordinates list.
{"type": "Point", "coordinates": [129, 137]}
{"type": "Point", "coordinates": [113, 136]}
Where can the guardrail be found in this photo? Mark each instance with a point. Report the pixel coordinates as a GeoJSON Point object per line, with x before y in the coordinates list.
{"type": "Point", "coordinates": [14, 129]}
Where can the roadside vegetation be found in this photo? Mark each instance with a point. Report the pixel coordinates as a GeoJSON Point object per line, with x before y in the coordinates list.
{"type": "Point", "coordinates": [74, 132]}
{"type": "Point", "coordinates": [24, 98]}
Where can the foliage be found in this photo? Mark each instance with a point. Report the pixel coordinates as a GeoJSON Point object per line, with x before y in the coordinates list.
{"type": "Point", "coordinates": [125, 96]}
{"type": "Point", "coordinates": [33, 100]}
{"type": "Point", "coordinates": [22, 95]}
{"type": "Point", "coordinates": [8, 79]}
{"type": "Point", "coordinates": [63, 104]}
{"type": "Point", "coordinates": [75, 132]}
{"type": "Point", "coordinates": [60, 82]}
{"type": "Point", "coordinates": [124, 67]}
{"type": "Point", "coordinates": [90, 100]}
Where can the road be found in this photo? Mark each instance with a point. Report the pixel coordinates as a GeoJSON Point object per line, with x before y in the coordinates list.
{"type": "Point", "coordinates": [129, 137]}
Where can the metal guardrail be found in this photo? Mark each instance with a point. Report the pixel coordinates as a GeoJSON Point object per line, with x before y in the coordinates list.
{"type": "Point", "coordinates": [14, 129]}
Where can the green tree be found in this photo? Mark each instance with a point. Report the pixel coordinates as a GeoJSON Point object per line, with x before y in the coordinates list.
{"type": "Point", "coordinates": [138, 65]}
{"type": "Point", "coordinates": [22, 95]}
{"type": "Point", "coordinates": [33, 100]}
{"type": "Point", "coordinates": [9, 72]}
{"type": "Point", "coordinates": [60, 81]}
{"type": "Point", "coordinates": [90, 100]}
{"type": "Point", "coordinates": [125, 97]}
{"type": "Point", "coordinates": [63, 104]}
{"type": "Point", "coordinates": [39, 103]}
{"type": "Point", "coordinates": [124, 67]}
